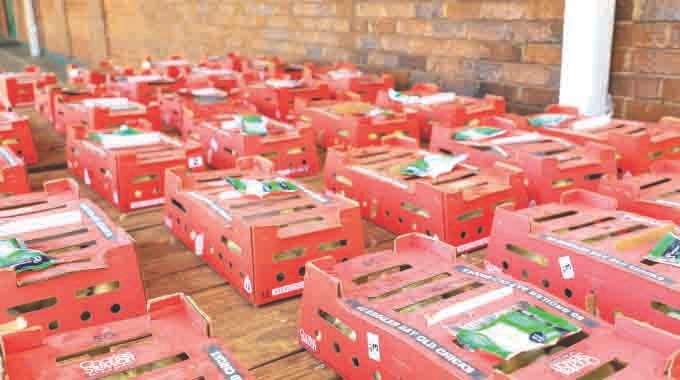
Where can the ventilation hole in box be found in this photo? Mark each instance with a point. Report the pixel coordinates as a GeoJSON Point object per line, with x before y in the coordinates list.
{"type": "Point", "coordinates": [568, 293]}
{"type": "Point", "coordinates": [506, 266]}
{"type": "Point", "coordinates": [302, 271]}
{"type": "Point", "coordinates": [355, 362]}
{"type": "Point", "coordinates": [115, 308]}
{"type": "Point", "coordinates": [336, 347]}
{"type": "Point", "coordinates": [525, 274]}
{"type": "Point", "coordinates": [280, 277]}
{"type": "Point", "coordinates": [85, 316]}
{"type": "Point", "coordinates": [546, 284]}
{"type": "Point", "coordinates": [53, 325]}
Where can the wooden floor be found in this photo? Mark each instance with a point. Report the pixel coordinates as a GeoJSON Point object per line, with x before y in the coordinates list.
{"type": "Point", "coordinates": [263, 339]}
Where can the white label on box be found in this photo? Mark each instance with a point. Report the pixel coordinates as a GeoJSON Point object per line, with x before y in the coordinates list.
{"type": "Point", "coordinates": [195, 162]}
{"type": "Point", "coordinates": [198, 245]}
{"type": "Point", "coordinates": [247, 285]}
{"type": "Point", "coordinates": [147, 203]}
{"type": "Point", "coordinates": [40, 223]}
{"type": "Point", "coordinates": [373, 346]}
{"type": "Point", "coordinates": [86, 177]}
{"type": "Point", "coordinates": [567, 268]}
{"type": "Point", "coordinates": [288, 288]}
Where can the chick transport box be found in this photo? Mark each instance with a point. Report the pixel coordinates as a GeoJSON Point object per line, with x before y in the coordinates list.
{"type": "Point", "coordinates": [68, 94]}
{"type": "Point", "coordinates": [589, 254]}
{"type": "Point", "coordinates": [227, 137]}
{"type": "Point", "coordinates": [181, 109]}
{"type": "Point", "coordinates": [655, 194]}
{"type": "Point", "coordinates": [405, 189]}
{"type": "Point", "coordinates": [145, 89]}
{"type": "Point", "coordinates": [15, 134]}
{"type": "Point", "coordinates": [638, 144]}
{"type": "Point", "coordinates": [354, 123]}
{"type": "Point", "coordinates": [435, 107]}
{"type": "Point", "coordinates": [18, 89]}
{"type": "Point", "coordinates": [127, 165]}
{"type": "Point", "coordinates": [104, 112]}
{"type": "Point", "coordinates": [276, 97]}
{"type": "Point", "coordinates": [415, 313]}
{"type": "Point", "coordinates": [345, 79]}
{"type": "Point", "coordinates": [13, 176]}
{"type": "Point", "coordinates": [258, 230]}
{"type": "Point", "coordinates": [172, 340]}
{"type": "Point", "coordinates": [83, 269]}
{"type": "Point", "coordinates": [551, 165]}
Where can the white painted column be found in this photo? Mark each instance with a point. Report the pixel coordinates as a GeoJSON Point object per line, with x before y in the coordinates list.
{"type": "Point", "coordinates": [586, 55]}
{"type": "Point", "coordinates": [31, 24]}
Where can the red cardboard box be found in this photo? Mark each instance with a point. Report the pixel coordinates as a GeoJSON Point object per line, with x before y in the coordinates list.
{"type": "Point", "coordinates": [290, 148]}
{"type": "Point", "coordinates": [346, 78]}
{"type": "Point", "coordinates": [181, 110]}
{"type": "Point", "coordinates": [264, 68]}
{"type": "Point", "coordinates": [129, 173]}
{"type": "Point", "coordinates": [173, 67]}
{"type": "Point", "coordinates": [18, 89]}
{"type": "Point", "coordinates": [278, 102]}
{"type": "Point", "coordinates": [407, 314]}
{"type": "Point", "coordinates": [15, 133]}
{"type": "Point", "coordinates": [456, 206]}
{"type": "Point", "coordinates": [354, 123]}
{"type": "Point", "coordinates": [260, 245]}
{"type": "Point", "coordinates": [146, 89]}
{"type": "Point", "coordinates": [435, 108]}
{"type": "Point", "coordinates": [214, 77]}
{"type": "Point", "coordinates": [97, 113]}
{"type": "Point", "coordinates": [13, 177]}
{"type": "Point", "coordinates": [53, 95]}
{"type": "Point", "coordinates": [655, 194]}
{"type": "Point", "coordinates": [101, 74]}
{"type": "Point", "coordinates": [172, 341]}
{"type": "Point", "coordinates": [583, 250]}
{"type": "Point", "coordinates": [96, 277]}
{"type": "Point", "coordinates": [551, 165]}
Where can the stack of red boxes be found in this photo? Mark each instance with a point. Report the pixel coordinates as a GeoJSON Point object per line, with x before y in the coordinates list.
{"type": "Point", "coordinates": [126, 166]}
{"type": "Point", "coordinates": [353, 123]}
{"type": "Point", "coordinates": [416, 313]}
{"type": "Point", "coordinates": [290, 148]}
{"type": "Point", "coordinates": [435, 108]}
{"type": "Point", "coordinates": [259, 242]}
{"type": "Point", "coordinates": [18, 89]}
{"type": "Point", "coordinates": [174, 67]}
{"type": "Point", "coordinates": [276, 96]}
{"type": "Point", "coordinates": [187, 107]}
{"type": "Point", "coordinates": [552, 165]}
{"type": "Point", "coordinates": [13, 176]}
{"type": "Point", "coordinates": [15, 133]}
{"type": "Point", "coordinates": [98, 112]}
{"type": "Point", "coordinates": [457, 205]}
{"type": "Point", "coordinates": [346, 79]}
{"type": "Point", "coordinates": [145, 89]}
{"type": "Point", "coordinates": [637, 144]}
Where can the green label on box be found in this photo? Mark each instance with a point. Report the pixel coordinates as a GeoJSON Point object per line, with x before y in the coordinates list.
{"type": "Point", "coordinates": [548, 120]}
{"type": "Point", "coordinates": [262, 188]}
{"type": "Point", "coordinates": [14, 254]}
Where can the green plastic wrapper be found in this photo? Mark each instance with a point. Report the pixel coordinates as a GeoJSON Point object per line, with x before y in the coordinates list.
{"type": "Point", "coordinates": [433, 165]}
{"type": "Point", "coordinates": [248, 124]}
{"type": "Point", "coordinates": [14, 254]}
{"type": "Point", "coordinates": [667, 250]}
{"type": "Point", "coordinates": [478, 133]}
{"type": "Point", "coordinates": [516, 330]}
{"type": "Point", "coordinates": [124, 130]}
{"type": "Point", "coordinates": [262, 188]}
{"type": "Point", "coordinates": [548, 120]}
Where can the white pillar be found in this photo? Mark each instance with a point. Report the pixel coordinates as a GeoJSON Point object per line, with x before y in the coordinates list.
{"type": "Point", "coordinates": [33, 39]}
{"type": "Point", "coordinates": [586, 55]}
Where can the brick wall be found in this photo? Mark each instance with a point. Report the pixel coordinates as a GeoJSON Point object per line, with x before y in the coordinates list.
{"type": "Point", "coordinates": [646, 62]}
{"type": "Point", "coordinates": [507, 47]}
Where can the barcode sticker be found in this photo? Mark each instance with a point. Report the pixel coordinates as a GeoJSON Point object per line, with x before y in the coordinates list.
{"type": "Point", "coordinates": [373, 346]}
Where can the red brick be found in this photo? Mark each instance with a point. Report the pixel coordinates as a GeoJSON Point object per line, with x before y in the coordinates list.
{"type": "Point", "coordinates": [542, 9]}
{"type": "Point", "coordinates": [537, 96]}
{"type": "Point", "coordinates": [671, 90]}
{"type": "Point", "coordinates": [650, 110]}
{"type": "Point", "coordinates": [545, 54]}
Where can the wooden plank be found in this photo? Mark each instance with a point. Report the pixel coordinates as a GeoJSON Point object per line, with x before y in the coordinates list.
{"type": "Point", "coordinates": [161, 254]}
{"type": "Point", "coordinates": [301, 366]}
{"type": "Point", "coordinates": [256, 335]}
{"type": "Point", "coordinates": [185, 281]}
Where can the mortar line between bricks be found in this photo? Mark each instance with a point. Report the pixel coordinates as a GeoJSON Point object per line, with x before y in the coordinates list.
{"type": "Point", "coordinates": [282, 357]}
